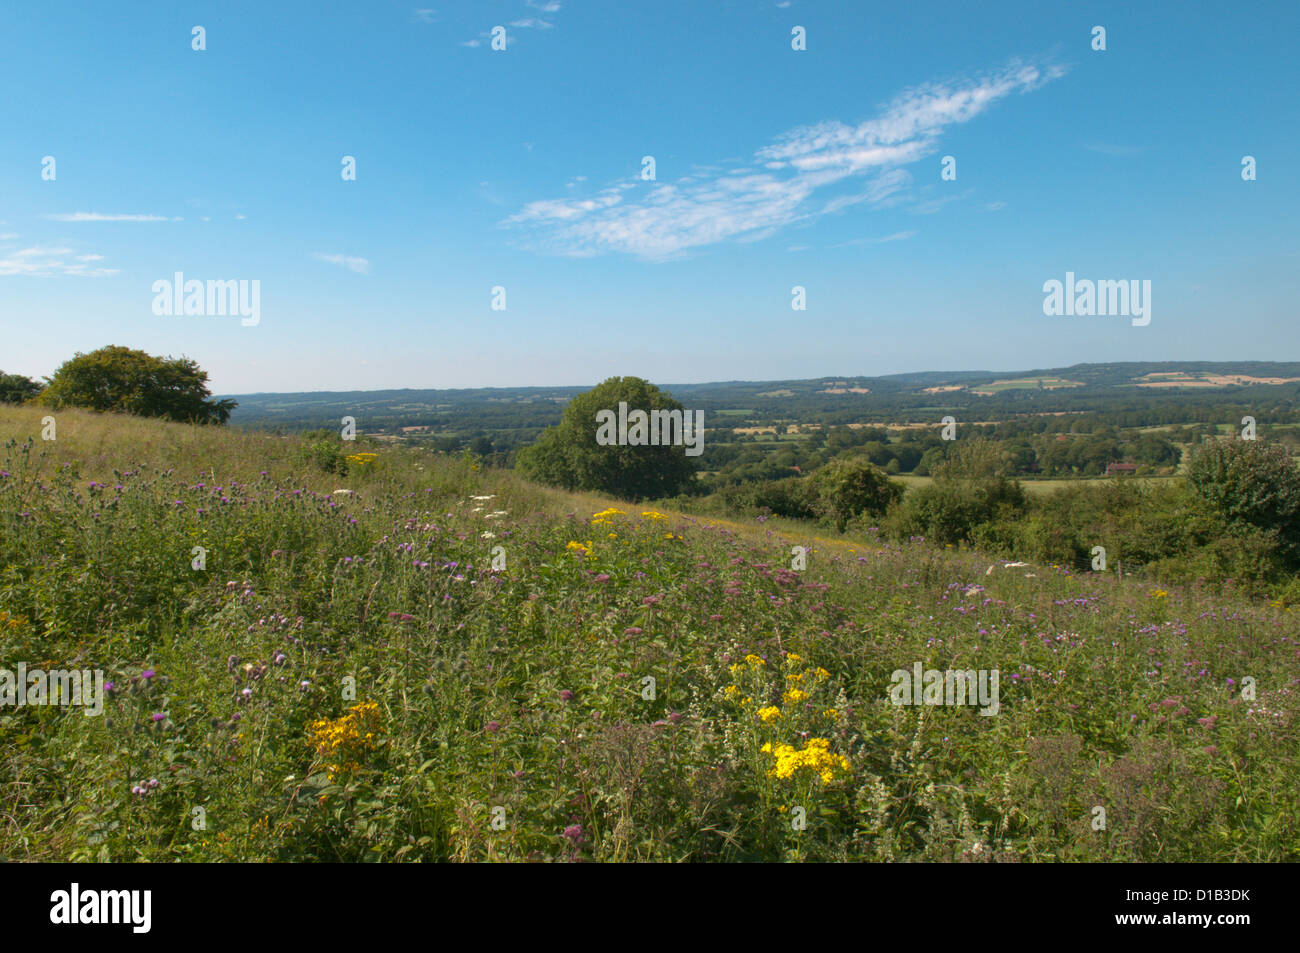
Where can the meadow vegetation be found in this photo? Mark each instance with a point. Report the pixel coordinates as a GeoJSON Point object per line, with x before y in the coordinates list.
{"type": "Point", "coordinates": [394, 655]}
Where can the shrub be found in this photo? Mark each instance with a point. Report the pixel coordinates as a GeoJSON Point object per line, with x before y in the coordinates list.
{"type": "Point", "coordinates": [325, 450]}
{"type": "Point", "coordinates": [844, 489]}
{"type": "Point", "coordinates": [16, 389]}
{"type": "Point", "coordinates": [1251, 484]}
{"type": "Point", "coordinates": [793, 497]}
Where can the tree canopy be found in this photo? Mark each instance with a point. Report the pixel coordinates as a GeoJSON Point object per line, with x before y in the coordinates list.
{"type": "Point", "coordinates": [1251, 483]}
{"type": "Point", "coordinates": [568, 455]}
{"type": "Point", "coordinates": [123, 380]}
{"type": "Point", "coordinates": [16, 389]}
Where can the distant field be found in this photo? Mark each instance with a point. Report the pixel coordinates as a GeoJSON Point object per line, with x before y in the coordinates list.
{"type": "Point", "coordinates": [1035, 487]}
{"type": "Point", "coordinates": [1203, 379]}
{"type": "Point", "coordinates": [1025, 383]}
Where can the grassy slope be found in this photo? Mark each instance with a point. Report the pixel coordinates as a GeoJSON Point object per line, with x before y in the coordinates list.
{"type": "Point", "coordinates": [524, 690]}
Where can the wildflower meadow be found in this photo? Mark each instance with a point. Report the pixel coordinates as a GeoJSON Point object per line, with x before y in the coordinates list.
{"type": "Point", "coordinates": [423, 659]}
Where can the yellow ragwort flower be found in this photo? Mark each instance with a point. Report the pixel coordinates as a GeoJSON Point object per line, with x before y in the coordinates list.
{"type": "Point", "coordinates": [815, 756]}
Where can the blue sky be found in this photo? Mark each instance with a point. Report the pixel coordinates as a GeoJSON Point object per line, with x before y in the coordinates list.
{"type": "Point", "coordinates": [522, 169]}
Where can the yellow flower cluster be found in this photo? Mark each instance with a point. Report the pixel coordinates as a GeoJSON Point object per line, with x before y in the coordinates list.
{"type": "Point", "coordinates": [346, 739]}
{"type": "Point", "coordinates": [769, 714]}
{"type": "Point", "coordinates": [575, 547]}
{"type": "Point", "coordinates": [816, 756]}
{"type": "Point", "coordinates": [652, 515]}
{"type": "Point", "coordinates": [362, 459]}
{"type": "Point", "coordinates": [794, 696]}
{"type": "Point", "coordinates": [1159, 594]}
{"type": "Point", "coordinates": [606, 517]}
{"type": "Point", "coordinates": [8, 621]}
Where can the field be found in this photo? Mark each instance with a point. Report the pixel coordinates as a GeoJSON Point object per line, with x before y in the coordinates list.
{"type": "Point", "coordinates": [1025, 383]}
{"type": "Point", "coordinates": [429, 661]}
{"type": "Point", "coordinates": [1038, 487]}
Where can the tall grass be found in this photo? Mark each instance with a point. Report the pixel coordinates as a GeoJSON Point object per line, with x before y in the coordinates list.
{"type": "Point", "coordinates": [349, 677]}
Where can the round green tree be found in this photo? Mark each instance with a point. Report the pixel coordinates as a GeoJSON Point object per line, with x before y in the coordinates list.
{"type": "Point", "coordinates": [569, 454]}
{"type": "Point", "coordinates": [122, 380]}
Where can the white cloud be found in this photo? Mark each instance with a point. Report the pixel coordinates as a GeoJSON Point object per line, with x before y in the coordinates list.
{"type": "Point", "coordinates": [424, 15]}
{"type": "Point", "coordinates": [8, 237]}
{"type": "Point", "coordinates": [664, 220]}
{"type": "Point", "coordinates": [932, 205]}
{"type": "Point", "coordinates": [37, 262]}
{"type": "Point", "coordinates": [360, 265]}
{"type": "Point", "coordinates": [896, 237]}
{"type": "Point", "coordinates": [524, 23]}
{"type": "Point", "coordinates": [100, 217]}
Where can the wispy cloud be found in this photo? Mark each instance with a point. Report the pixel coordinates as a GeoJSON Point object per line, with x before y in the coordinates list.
{"type": "Point", "coordinates": [523, 22]}
{"type": "Point", "coordinates": [100, 217]}
{"type": "Point", "coordinates": [931, 205]}
{"type": "Point", "coordinates": [777, 188]}
{"type": "Point", "coordinates": [424, 15]}
{"type": "Point", "coordinates": [360, 265]}
{"type": "Point", "coordinates": [896, 237]}
{"type": "Point", "coordinates": [38, 262]}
